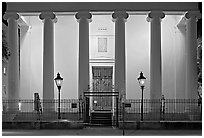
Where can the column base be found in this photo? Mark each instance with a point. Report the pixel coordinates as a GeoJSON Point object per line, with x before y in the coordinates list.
{"type": "Point", "coordinates": [155, 112]}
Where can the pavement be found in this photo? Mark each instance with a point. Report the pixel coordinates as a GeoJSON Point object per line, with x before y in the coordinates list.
{"type": "Point", "coordinates": [98, 131]}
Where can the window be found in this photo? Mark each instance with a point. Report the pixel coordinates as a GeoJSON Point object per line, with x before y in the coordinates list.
{"type": "Point", "coordinates": [102, 44]}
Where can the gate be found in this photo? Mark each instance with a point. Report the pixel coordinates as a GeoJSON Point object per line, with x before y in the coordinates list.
{"type": "Point", "coordinates": [101, 108]}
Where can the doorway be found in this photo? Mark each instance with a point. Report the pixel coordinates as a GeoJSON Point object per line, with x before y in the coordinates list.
{"type": "Point", "coordinates": [102, 83]}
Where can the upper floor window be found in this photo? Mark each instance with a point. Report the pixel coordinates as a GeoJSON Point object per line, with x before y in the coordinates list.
{"type": "Point", "coordinates": [102, 44]}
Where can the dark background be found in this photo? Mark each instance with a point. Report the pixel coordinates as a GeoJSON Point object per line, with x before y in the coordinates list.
{"type": "Point", "coordinates": [199, 26]}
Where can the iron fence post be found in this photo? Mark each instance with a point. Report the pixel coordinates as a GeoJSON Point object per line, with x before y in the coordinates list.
{"type": "Point", "coordinates": [116, 111]}
{"type": "Point", "coordinates": [87, 109]}
{"type": "Point", "coordinates": [83, 109]}
{"type": "Point", "coordinates": [123, 117]}
{"type": "Point", "coordinates": [79, 110]}
{"type": "Point", "coordinates": [162, 110]}
{"type": "Point", "coordinates": [200, 105]}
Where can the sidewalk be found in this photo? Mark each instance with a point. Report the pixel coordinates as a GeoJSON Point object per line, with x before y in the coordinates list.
{"type": "Point", "coordinates": [99, 131]}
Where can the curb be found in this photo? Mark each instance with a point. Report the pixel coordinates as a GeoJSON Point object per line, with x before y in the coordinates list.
{"type": "Point", "coordinates": [162, 125]}
{"type": "Point", "coordinates": [42, 125]}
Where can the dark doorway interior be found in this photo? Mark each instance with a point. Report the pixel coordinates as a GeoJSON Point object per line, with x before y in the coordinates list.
{"type": "Point", "coordinates": [102, 82]}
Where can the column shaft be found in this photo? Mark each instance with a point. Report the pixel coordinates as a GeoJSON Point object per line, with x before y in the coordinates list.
{"type": "Point", "coordinates": [191, 55]}
{"type": "Point", "coordinates": [83, 55]}
{"type": "Point", "coordinates": [83, 17]}
{"type": "Point", "coordinates": [120, 79]}
{"type": "Point", "coordinates": [48, 60]}
{"type": "Point", "coordinates": [155, 54]}
{"type": "Point", "coordinates": [13, 62]}
{"type": "Point", "coordinates": [120, 72]}
{"type": "Point", "coordinates": [155, 60]}
{"type": "Point", "coordinates": [191, 64]}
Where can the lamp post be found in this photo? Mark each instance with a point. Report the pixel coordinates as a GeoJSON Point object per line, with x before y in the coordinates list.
{"type": "Point", "coordinates": [141, 79]}
{"type": "Point", "coordinates": [58, 81]}
{"type": "Point", "coordinates": [123, 104]}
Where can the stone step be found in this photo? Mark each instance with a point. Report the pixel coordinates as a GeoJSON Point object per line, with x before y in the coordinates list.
{"type": "Point", "coordinates": [101, 118]}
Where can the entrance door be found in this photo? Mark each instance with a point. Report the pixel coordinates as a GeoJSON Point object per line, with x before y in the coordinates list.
{"type": "Point", "coordinates": [102, 82]}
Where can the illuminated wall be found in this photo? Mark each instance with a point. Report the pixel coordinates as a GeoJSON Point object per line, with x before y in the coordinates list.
{"type": "Point", "coordinates": [137, 54]}
{"type": "Point", "coordinates": [66, 59]}
{"type": "Point", "coordinates": [173, 58]}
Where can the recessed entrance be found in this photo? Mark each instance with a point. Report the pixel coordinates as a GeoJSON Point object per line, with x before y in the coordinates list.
{"type": "Point", "coordinates": [101, 101]}
{"type": "Point", "coordinates": [102, 82]}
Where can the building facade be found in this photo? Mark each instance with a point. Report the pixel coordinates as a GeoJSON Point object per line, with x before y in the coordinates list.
{"type": "Point", "coordinates": [102, 47]}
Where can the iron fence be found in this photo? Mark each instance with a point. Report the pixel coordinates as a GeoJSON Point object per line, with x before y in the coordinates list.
{"type": "Point", "coordinates": [30, 110]}
{"type": "Point", "coordinates": [74, 110]}
{"type": "Point", "coordinates": [166, 110]}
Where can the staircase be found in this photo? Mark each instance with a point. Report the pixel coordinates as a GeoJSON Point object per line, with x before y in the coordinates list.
{"type": "Point", "coordinates": [101, 118]}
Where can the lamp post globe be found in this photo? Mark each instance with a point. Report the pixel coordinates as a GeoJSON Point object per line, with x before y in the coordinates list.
{"type": "Point", "coordinates": [141, 79]}
{"type": "Point", "coordinates": [58, 82]}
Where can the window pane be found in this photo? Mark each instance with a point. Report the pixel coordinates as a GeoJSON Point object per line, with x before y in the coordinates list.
{"type": "Point", "coordinates": [102, 44]}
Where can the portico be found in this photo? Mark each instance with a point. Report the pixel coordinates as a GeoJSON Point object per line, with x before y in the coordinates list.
{"type": "Point", "coordinates": [83, 13]}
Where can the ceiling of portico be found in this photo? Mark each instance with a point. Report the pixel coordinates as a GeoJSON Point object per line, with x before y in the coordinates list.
{"type": "Point", "coordinates": [102, 13]}
{"type": "Point", "coordinates": [32, 17]}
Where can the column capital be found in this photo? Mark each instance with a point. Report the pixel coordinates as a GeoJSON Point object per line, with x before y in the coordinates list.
{"type": "Point", "coordinates": [12, 15]}
{"type": "Point", "coordinates": [120, 14]}
{"type": "Point", "coordinates": [48, 15]}
{"type": "Point", "coordinates": [83, 14]}
{"type": "Point", "coordinates": [195, 14]}
{"type": "Point", "coordinates": [154, 14]}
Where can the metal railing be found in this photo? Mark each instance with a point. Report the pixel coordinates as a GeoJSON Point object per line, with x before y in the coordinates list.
{"type": "Point", "coordinates": [26, 110]}
{"type": "Point", "coordinates": [158, 110]}
{"type": "Point", "coordinates": [74, 110]}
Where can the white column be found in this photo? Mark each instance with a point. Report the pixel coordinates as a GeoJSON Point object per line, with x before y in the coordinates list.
{"type": "Point", "coordinates": [48, 58]}
{"type": "Point", "coordinates": [191, 54]}
{"type": "Point", "coordinates": [83, 17]}
{"type": "Point", "coordinates": [13, 62]}
{"type": "Point", "coordinates": [119, 17]}
{"type": "Point", "coordinates": [155, 55]}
